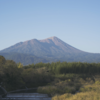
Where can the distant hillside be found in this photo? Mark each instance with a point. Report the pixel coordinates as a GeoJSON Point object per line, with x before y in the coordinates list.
{"type": "Point", "coordinates": [47, 50]}
{"type": "Point", "coordinates": [25, 59]}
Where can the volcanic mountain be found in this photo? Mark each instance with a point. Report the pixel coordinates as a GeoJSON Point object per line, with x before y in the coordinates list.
{"type": "Point", "coordinates": [52, 49]}
{"type": "Point", "coordinates": [47, 47]}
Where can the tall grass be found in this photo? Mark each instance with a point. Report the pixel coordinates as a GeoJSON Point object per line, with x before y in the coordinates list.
{"type": "Point", "coordinates": [88, 92]}
{"type": "Point", "coordinates": [79, 96]}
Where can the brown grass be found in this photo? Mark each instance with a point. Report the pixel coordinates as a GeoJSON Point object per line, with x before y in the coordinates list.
{"type": "Point", "coordinates": [89, 92]}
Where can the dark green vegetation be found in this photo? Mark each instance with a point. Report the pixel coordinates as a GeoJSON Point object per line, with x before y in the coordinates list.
{"type": "Point", "coordinates": [47, 50]}
{"type": "Point", "coordinates": [54, 78]}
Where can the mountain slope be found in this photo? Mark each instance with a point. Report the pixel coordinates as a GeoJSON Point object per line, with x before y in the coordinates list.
{"type": "Point", "coordinates": [25, 59]}
{"type": "Point", "coordinates": [47, 50]}
{"type": "Point", "coordinates": [53, 47]}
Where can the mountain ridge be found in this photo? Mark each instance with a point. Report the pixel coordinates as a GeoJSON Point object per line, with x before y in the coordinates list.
{"type": "Point", "coordinates": [53, 43]}
{"type": "Point", "coordinates": [52, 49]}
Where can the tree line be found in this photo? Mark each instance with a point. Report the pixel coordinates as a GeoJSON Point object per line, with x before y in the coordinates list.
{"type": "Point", "coordinates": [16, 76]}
{"type": "Point", "coordinates": [68, 67]}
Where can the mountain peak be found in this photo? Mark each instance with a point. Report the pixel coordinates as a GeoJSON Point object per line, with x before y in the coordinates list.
{"type": "Point", "coordinates": [50, 39]}
{"type": "Point", "coordinates": [50, 46]}
{"type": "Point", "coordinates": [54, 37]}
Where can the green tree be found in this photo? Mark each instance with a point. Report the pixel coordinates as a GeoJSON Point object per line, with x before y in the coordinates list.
{"type": "Point", "coordinates": [2, 60]}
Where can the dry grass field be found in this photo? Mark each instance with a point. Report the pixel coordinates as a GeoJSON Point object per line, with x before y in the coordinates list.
{"type": "Point", "coordinates": [88, 92]}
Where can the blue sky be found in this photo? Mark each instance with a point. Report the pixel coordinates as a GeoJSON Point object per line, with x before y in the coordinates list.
{"type": "Point", "coordinates": [76, 22]}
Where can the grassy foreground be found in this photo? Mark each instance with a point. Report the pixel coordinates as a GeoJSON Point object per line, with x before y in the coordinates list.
{"type": "Point", "coordinates": [88, 92]}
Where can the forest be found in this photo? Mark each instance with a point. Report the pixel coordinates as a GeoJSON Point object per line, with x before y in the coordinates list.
{"type": "Point", "coordinates": [60, 80]}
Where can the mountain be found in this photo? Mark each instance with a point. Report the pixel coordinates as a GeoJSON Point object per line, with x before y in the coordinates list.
{"type": "Point", "coordinates": [48, 50]}
{"type": "Point", "coordinates": [48, 47]}
{"type": "Point", "coordinates": [25, 59]}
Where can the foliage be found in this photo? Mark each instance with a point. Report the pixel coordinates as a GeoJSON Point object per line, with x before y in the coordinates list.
{"type": "Point", "coordinates": [2, 60]}
{"type": "Point", "coordinates": [88, 92]}
{"type": "Point", "coordinates": [36, 77]}
{"type": "Point", "coordinates": [54, 79]}
{"type": "Point", "coordinates": [19, 65]}
{"type": "Point", "coordinates": [75, 67]}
